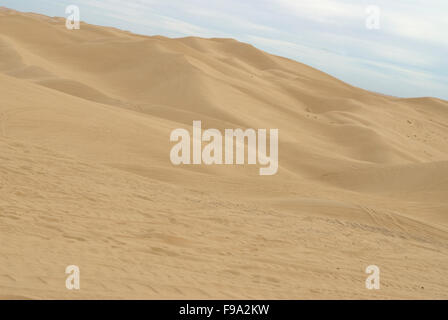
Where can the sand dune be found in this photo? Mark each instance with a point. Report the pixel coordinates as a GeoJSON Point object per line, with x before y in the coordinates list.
{"type": "Point", "coordinates": [85, 175]}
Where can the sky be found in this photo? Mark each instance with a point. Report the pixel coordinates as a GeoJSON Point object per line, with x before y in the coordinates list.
{"type": "Point", "coordinates": [395, 47]}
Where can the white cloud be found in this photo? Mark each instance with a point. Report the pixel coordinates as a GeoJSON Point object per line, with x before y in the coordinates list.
{"type": "Point", "coordinates": [431, 28]}
{"type": "Point", "coordinates": [326, 11]}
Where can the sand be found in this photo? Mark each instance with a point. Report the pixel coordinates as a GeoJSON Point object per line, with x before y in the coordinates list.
{"type": "Point", "coordinates": [86, 179]}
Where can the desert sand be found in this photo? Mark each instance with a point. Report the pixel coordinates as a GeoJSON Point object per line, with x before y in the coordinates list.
{"type": "Point", "coordinates": [86, 179]}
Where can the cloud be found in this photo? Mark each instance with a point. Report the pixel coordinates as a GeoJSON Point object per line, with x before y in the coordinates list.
{"type": "Point", "coordinates": [228, 19]}
{"type": "Point", "coordinates": [324, 11]}
{"type": "Point", "coordinates": [432, 28]}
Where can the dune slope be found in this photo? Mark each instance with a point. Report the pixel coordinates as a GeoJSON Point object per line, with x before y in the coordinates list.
{"type": "Point", "coordinates": [86, 179]}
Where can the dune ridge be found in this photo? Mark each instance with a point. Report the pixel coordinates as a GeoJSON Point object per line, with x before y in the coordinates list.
{"type": "Point", "coordinates": [85, 176]}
